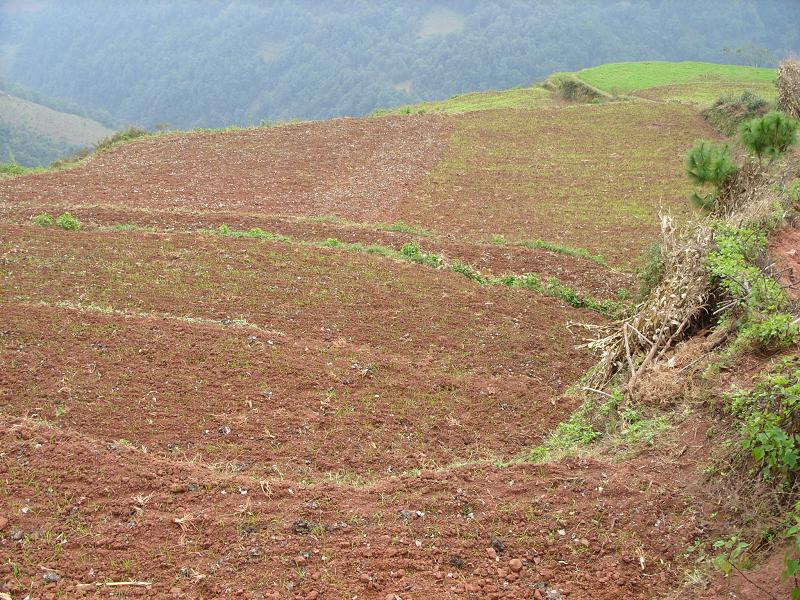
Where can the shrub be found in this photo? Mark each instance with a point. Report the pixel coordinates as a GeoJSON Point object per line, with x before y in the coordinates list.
{"type": "Point", "coordinates": [733, 262]}
{"type": "Point", "coordinates": [68, 222]}
{"type": "Point", "coordinates": [707, 163]}
{"type": "Point", "coordinates": [126, 135]}
{"type": "Point", "coordinates": [729, 112]}
{"type": "Point", "coordinates": [769, 136]}
{"type": "Point", "coordinates": [43, 220]}
{"type": "Point", "coordinates": [412, 251]}
{"type": "Point", "coordinates": [12, 168]}
{"type": "Point", "coordinates": [778, 330]}
{"type": "Point", "coordinates": [569, 87]}
{"type": "Point", "coordinates": [769, 418]}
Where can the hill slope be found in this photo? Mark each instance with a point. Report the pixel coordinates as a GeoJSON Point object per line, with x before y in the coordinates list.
{"type": "Point", "coordinates": [278, 61]}
{"type": "Point", "coordinates": [343, 358]}
{"type": "Point", "coordinates": [37, 135]}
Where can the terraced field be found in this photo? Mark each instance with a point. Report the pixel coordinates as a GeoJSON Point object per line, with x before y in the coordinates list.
{"type": "Point", "coordinates": [312, 361]}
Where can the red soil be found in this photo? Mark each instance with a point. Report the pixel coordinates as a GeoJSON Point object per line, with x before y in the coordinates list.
{"type": "Point", "coordinates": [93, 512]}
{"type": "Point", "coordinates": [235, 417]}
{"type": "Point", "coordinates": [785, 247]}
{"type": "Point", "coordinates": [356, 168]}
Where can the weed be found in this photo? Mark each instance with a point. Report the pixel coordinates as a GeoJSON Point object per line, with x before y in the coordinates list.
{"type": "Point", "coordinates": [403, 227]}
{"type": "Point", "coordinates": [412, 251]}
{"type": "Point", "coordinates": [792, 560]}
{"type": "Point", "coordinates": [769, 422]}
{"type": "Point", "coordinates": [43, 220]}
{"type": "Point", "coordinates": [577, 252]}
{"type": "Point", "coordinates": [467, 271]}
{"type": "Point", "coordinates": [497, 239]}
{"type": "Point", "coordinates": [776, 331]}
{"type": "Point", "coordinates": [578, 430]}
{"type": "Point", "coordinates": [68, 221]}
{"type": "Point", "coordinates": [732, 555]}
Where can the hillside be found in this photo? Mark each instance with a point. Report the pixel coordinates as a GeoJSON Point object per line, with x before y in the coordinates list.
{"type": "Point", "coordinates": [311, 60]}
{"type": "Point", "coordinates": [347, 358]}
{"type": "Point", "coordinates": [35, 134]}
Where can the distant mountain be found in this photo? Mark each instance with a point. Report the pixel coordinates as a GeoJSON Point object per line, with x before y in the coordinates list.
{"type": "Point", "coordinates": [188, 63]}
{"type": "Point", "coordinates": [33, 134]}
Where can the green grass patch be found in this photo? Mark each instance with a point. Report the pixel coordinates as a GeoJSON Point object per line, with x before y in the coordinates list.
{"type": "Point", "coordinates": [577, 252]}
{"type": "Point", "coordinates": [402, 227]}
{"type": "Point", "coordinates": [597, 421]}
{"type": "Point", "coordinates": [397, 226]}
{"type": "Point", "coordinates": [517, 98]}
{"type": "Point", "coordinates": [627, 77]}
{"type": "Point", "coordinates": [129, 227]}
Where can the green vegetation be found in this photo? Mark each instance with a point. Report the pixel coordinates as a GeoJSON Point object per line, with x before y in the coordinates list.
{"type": "Point", "coordinates": [792, 560]}
{"type": "Point", "coordinates": [754, 297]}
{"type": "Point", "coordinates": [769, 136]}
{"type": "Point", "coordinates": [492, 164]}
{"type": "Point", "coordinates": [769, 423]}
{"type": "Point", "coordinates": [411, 251]}
{"type": "Point", "coordinates": [44, 220]}
{"type": "Point", "coordinates": [394, 55]}
{"type": "Point", "coordinates": [609, 421]}
{"type": "Point", "coordinates": [128, 134]}
{"type": "Point", "coordinates": [767, 419]}
{"type": "Point", "coordinates": [12, 168]}
{"type": "Point", "coordinates": [729, 111]}
{"type": "Point", "coordinates": [516, 98]}
{"type": "Point", "coordinates": [64, 221]}
{"type": "Point", "coordinates": [708, 164]}
{"type": "Point", "coordinates": [569, 87]}
{"type": "Point", "coordinates": [68, 222]}
{"type": "Point", "coordinates": [624, 78]}
{"type": "Point", "coordinates": [561, 249]}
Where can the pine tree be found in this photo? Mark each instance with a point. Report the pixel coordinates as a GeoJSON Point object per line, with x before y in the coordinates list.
{"type": "Point", "coordinates": [769, 136]}
{"type": "Point", "coordinates": [707, 163]}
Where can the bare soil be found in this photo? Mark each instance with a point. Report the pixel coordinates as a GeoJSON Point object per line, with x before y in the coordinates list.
{"type": "Point", "coordinates": [92, 512]}
{"type": "Point", "coordinates": [785, 247]}
{"type": "Point", "coordinates": [217, 417]}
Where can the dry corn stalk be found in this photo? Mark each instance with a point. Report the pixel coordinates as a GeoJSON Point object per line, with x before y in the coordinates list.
{"type": "Point", "coordinates": [789, 87]}
{"type": "Point", "coordinates": [674, 306]}
{"type": "Point", "coordinates": [686, 294]}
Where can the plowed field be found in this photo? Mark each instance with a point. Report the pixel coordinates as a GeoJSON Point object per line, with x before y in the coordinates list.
{"type": "Point", "coordinates": [188, 413]}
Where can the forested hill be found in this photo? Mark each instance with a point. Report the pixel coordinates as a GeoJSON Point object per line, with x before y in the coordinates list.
{"type": "Point", "coordinates": [195, 63]}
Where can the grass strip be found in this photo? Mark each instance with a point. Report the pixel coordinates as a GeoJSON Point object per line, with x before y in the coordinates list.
{"type": "Point", "coordinates": [412, 252]}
